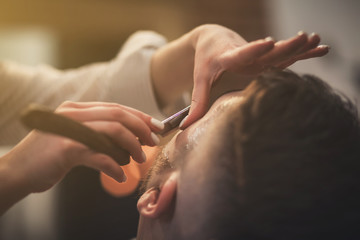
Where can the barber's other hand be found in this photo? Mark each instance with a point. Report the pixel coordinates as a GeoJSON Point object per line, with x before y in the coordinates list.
{"type": "Point", "coordinates": [41, 160]}
{"type": "Point", "coordinates": [218, 49]}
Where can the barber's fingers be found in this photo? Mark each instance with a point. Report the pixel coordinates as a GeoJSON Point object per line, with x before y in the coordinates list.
{"type": "Point", "coordinates": [134, 123]}
{"type": "Point", "coordinates": [104, 164]}
{"type": "Point", "coordinates": [319, 51]}
{"type": "Point", "coordinates": [153, 123]}
{"type": "Point", "coordinates": [250, 59]}
{"type": "Point", "coordinates": [199, 101]}
{"type": "Point", "coordinates": [81, 110]}
{"type": "Point", "coordinates": [283, 53]}
{"type": "Point", "coordinates": [313, 42]}
{"type": "Point", "coordinates": [121, 136]}
{"type": "Point", "coordinates": [240, 58]}
{"type": "Point", "coordinates": [78, 154]}
{"type": "Point", "coordinates": [205, 74]}
{"type": "Point", "coordinates": [283, 50]}
{"type": "Point", "coordinates": [237, 60]}
{"type": "Point", "coordinates": [200, 96]}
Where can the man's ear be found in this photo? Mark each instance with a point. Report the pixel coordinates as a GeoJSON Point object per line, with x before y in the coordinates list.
{"type": "Point", "coordinates": [154, 202]}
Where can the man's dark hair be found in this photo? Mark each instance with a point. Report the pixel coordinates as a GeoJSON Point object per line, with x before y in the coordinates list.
{"type": "Point", "coordinates": [290, 154]}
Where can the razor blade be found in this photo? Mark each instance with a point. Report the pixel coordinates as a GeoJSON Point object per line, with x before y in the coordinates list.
{"type": "Point", "coordinates": [174, 121]}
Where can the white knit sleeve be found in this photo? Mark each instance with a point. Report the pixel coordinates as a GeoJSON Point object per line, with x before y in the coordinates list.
{"type": "Point", "coordinates": [125, 80]}
{"type": "Point", "coordinates": [128, 79]}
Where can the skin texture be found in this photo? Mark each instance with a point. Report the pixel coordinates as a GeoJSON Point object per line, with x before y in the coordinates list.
{"type": "Point", "coordinates": [38, 172]}
{"type": "Point", "coordinates": [195, 60]}
{"type": "Point", "coordinates": [182, 173]}
{"type": "Point", "coordinates": [255, 167]}
{"type": "Point", "coordinates": [198, 59]}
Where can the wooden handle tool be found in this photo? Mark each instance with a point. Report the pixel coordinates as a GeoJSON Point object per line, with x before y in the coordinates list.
{"type": "Point", "coordinates": [40, 118]}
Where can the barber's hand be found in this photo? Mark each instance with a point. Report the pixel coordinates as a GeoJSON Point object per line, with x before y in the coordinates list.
{"type": "Point", "coordinates": [218, 49]}
{"type": "Point", "coordinates": [41, 160]}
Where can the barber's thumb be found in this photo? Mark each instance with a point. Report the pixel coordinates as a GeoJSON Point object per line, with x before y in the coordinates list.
{"type": "Point", "coordinates": [199, 102]}
{"type": "Point", "coordinates": [195, 113]}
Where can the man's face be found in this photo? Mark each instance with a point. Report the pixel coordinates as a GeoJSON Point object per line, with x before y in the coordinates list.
{"type": "Point", "coordinates": [189, 154]}
{"type": "Point", "coordinates": [186, 151]}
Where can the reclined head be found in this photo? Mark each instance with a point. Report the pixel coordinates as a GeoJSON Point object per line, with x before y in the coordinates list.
{"type": "Point", "coordinates": [279, 160]}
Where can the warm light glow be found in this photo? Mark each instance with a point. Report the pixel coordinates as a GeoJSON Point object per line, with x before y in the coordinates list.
{"type": "Point", "coordinates": [134, 173]}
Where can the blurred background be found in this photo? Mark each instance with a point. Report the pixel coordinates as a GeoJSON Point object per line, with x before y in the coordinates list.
{"type": "Point", "coordinates": [72, 33]}
{"type": "Point", "coordinates": [83, 31]}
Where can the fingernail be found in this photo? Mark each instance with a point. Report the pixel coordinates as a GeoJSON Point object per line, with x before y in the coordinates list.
{"type": "Point", "coordinates": [183, 121]}
{"type": "Point", "coordinates": [155, 138]}
{"type": "Point", "coordinates": [300, 33]}
{"type": "Point", "coordinates": [143, 156]}
{"type": "Point", "coordinates": [124, 178]}
{"type": "Point", "coordinates": [269, 39]}
{"type": "Point", "coordinates": [324, 46]}
{"type": "Point", "coordinates": [312, 34]}
{"type": "Point", "coordinates": [157, 123]}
